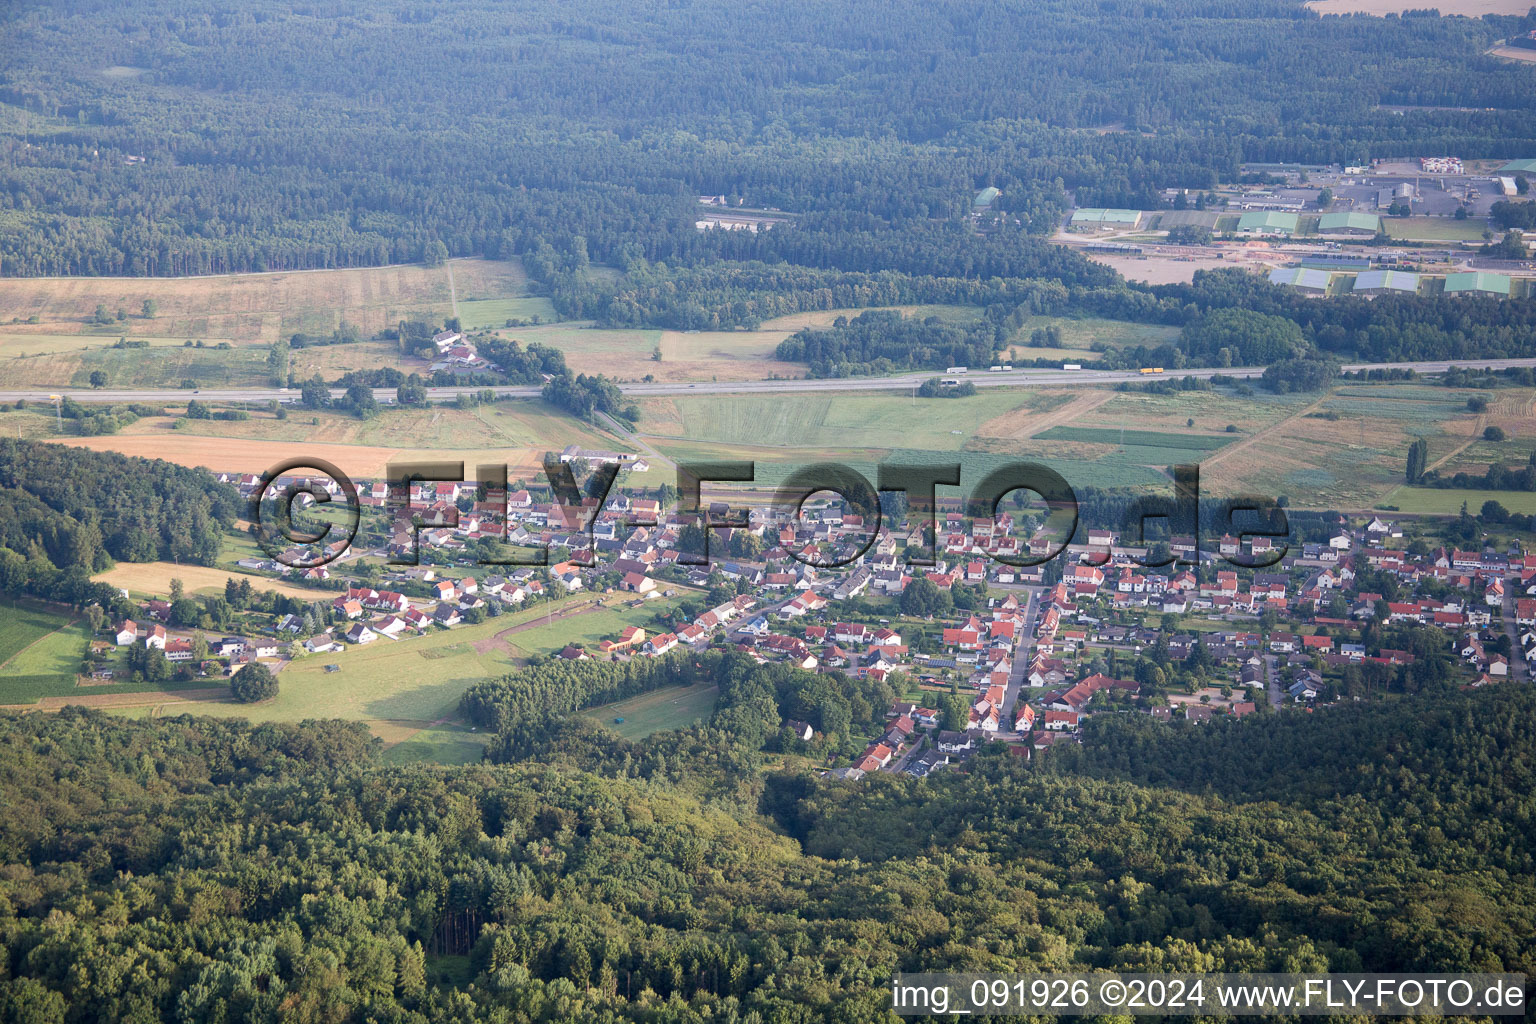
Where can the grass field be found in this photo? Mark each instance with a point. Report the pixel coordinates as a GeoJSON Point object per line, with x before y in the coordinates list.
{"type": "Point", "coordinates": [1079, 334]}
{"type": "Point", "coordinates": [1111, 435]}
{"type": "Point", "coordinates": [253, 308]}
{"type": "Point", "coordinates": [1447, 502]}
{"type": "Point", "coordinates": [477, 313]}
{"type": "Point", "coordinates": [670, 707]}
{"type": "Point", "coordinates": [40, 652]}
{"type": "Point", "coordinates": [449, 743]}
{"type": "Point", "coordinates": [1436, 229]}
{"type": "Point", "coordinates": [628, 354]}
{"type": "Point", "coordinates": [814, 421]}
{"type": "Point", "coordinates": [399, 688]}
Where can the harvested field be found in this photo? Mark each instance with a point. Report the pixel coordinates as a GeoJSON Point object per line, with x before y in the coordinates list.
{"type": "Point", "coordinates": [252, 308]}
{"type": "Point", "coordinates": [1064, 407]}
{"type": "Point", "coordinates": [155, 578]}
{"type": "Point", "coordinates": [231, 454]}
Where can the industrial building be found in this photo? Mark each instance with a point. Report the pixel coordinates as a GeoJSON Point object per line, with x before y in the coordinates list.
{"type": "Point", "coordinates": [1349, 224]}
{"type": "Point", "coordinates": [1477, 282]}
{"type": "Point", "coordinates": [1097, 218]}
{"type": "Point", "coordinates": [1303, 279]}
{"type": "Point", "coordinates": [1320, 261]}
{"type": "Point", "coordinates": [1387, 196]}
{"type": "Point", "coordinates": [1519, 167]}
{"type": "Point", "coordinates": [1260, 222]}
{"type": "Point", "coordinates": [984, 199]}
{"type": "Point", "coordinates": [1381, 282]}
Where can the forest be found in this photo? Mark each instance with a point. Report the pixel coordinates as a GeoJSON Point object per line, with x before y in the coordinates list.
{"type": "Point", "coordinates": [283, 872]}
{"type": "Point", "coordinates": [212, 138]}
{"type": "Point", "coordinates": [66, 513]}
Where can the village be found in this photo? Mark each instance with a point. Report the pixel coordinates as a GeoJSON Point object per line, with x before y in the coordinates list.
{"type": "Point", "coordinates": [981, 651]}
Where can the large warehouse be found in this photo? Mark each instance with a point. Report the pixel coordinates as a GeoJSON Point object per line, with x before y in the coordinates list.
{"type": "Point", "coordinates": [1519, 167]}
{"type": "Point", "coordinates": [1477, 282]}
{"type": "Point", "coordinates": [1303, 279]}
{"type": "Point", "coordinates": [1097, 218]}
{"type": "Point", "coordinates": [1267, 222]}
{"type": "Point", "coordinates": [1380, 282]}
{"type": "Point", "coordinates": [1348, 224]}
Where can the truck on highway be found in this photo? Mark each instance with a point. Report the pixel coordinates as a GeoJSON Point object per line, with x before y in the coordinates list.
{"type": "Point", "coordinates": [1071, 366]}
{"type": "Point", "coordinates": [1151, 369]}
{"type": "Point", "coordinates": [958, 369]}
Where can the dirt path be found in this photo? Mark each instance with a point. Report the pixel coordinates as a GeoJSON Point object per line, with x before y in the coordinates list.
{"type": "Point", "coordinates": [1477, 434]}
{"type": "Point", "coordinates": [1024, 423]}
{"type": "Point", "coordinates": [453, 293]}
{"type": "Point", "coordinates": [1251, 438]}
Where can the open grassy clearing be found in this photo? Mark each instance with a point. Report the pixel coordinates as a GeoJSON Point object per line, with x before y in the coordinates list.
{"type": "Point", "coordinates": [138, 368]}
{"type": "Point", "coordinates": [1437, 229]}
{"type": "Point", "coordinates": [13, 344]}
{"type": "Point", "coordinates": [588, 629]}
{"type": "Point", "coordinates": [1081, 333]}
{"type": "Point", "coordinates": [477, 313]}
{"type": "Point", "coordinates": [254, 308]}
{"type": "Point", "coordinates": [1448, 502]}
{"type": "Point", "coordinates": [397, 687]}
{"type": "Point", "coordinates": [670, 707]}
{"type": "Point", "coordinates": [628, 354]}
{"type": "Point", "coordinates": [449, 743]}
{"type": "Point", "coordinates": [809, 421]}
{"type": "Point", "coordinates": [824, 317]}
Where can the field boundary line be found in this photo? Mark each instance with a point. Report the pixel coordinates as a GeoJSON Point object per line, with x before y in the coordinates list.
{"type": "Point", "coordinates": [39, 640]}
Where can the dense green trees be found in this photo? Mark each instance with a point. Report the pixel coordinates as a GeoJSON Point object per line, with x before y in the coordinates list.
{"type": "Point", "coordinates": [265, 140]}
{"type": "Point", "coordinates": [283, 872]}
{"type": "Point", "coordinates": [66, 513]}
{"type": "Point", "coordinates": [252, 683]}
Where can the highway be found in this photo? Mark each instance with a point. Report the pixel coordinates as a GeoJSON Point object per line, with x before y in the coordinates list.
{"type": "Point", "coordinates": [902, 382]}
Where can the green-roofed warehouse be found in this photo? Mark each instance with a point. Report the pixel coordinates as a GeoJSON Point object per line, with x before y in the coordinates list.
{"type": "Point", "coordinates": [1477, 282]}
{"type": "Point", "coordinates": [1313, 282]}
{"type": "Point", "coordinates": [1267, 222]}
{"type": "Point", "coordinates": [1519, 166]}
{"type": "Point", "coordinates": [985, 198]}
{"type": "Point", "coordinates": [1380, 282]}
{"type": "Point", "coordinates": [1348, 224]}
{"type": "Point", "coordinates": [1094, 217]}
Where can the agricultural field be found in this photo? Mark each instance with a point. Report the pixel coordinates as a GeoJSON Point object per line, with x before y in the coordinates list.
{"type": "Point", "coordinates": [670, 707]}
{"type": "Point", "coordinates": [823, 420]}
{"type": "Point", "coordinates": [629, 354]}
{"type": "Point", "coordinates": [1342, 450]}
{"type": "Point", "coordinates": [1140, 438]}
{"type": "Point", "coordinates": [153, 367]}
{"type": "Point", "coordinates": [1447, 502]}
{"type": "Point", "coordinates": [41, 650]}
{"type": "Point", "coordinates": [516, 432]}
{"type": "Point", "coordinates": [153, 579]}
{"type": "Point", "coordinates": [477, 313]}
{"type": "Point", "coordinates": [250, 309]}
